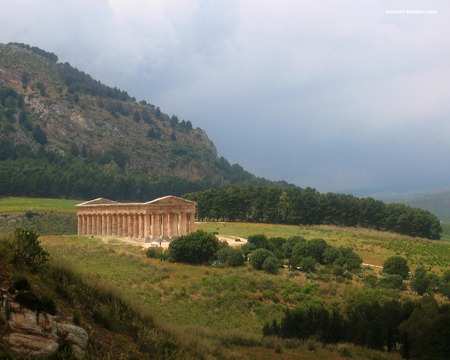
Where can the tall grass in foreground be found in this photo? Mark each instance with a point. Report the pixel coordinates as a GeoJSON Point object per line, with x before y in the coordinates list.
{"type": "Point", "coordinates": [115, 311]}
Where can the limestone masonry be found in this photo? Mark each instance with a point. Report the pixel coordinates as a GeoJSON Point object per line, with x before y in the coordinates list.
{"type": "Point", "coordinates": [160, 219]}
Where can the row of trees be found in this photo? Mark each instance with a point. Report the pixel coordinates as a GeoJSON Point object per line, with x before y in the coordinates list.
{"type": "Point", "coordinates": [297, 206]}
{"type": "Point", "coordinates": [420, 329]}
{"type": "Point", "coordinates": [75, 177]}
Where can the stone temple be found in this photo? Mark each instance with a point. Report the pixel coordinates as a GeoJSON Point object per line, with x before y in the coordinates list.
{"type": "Point", "coordinates": [160, 219]}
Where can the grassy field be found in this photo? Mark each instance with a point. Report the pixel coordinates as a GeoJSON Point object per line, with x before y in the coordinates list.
{"type": "Point", "coordinates": [13, 205]}
{"type": "Point", "coordinates": [374, 247]}
{"type": "Point", "coordinates": [225, 307]}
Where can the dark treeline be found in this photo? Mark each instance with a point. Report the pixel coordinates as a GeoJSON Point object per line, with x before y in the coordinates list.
{"type": "Point", "coordinates": [46, 174]}
{"type": "Point", "coordinates": [297, 206]}
{"type": "Point", "coordinates": [419, 329]}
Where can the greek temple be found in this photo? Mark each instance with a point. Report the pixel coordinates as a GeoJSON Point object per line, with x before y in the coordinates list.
{"type": "Point", "coordinates": [160, 219]}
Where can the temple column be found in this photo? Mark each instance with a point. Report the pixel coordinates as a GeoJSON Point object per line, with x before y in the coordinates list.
{"type": "Point", "coordinates": [146, 226]}
{"type": "Point", "coordinates": [79, 224]}
{"type": "Point", "coordinates": [129, 225]}
{"type": "Point", "coordinates": [94, 224]}
{"type": "Point", "coordinates": [98, 226]}
{"type": "Point", "coordinates": [183, 223]}
{"type": "Point", "coordinates": [135, 226]}
{"type": "Point", "coordinates": [156, 225]}
{"type": "Point", "coordinates": [104, 232]}
{"type": "Point", "coordinates": [153, 218]}
{"type": "Point", "coordinates": [124, 225]}
{"type": "Point", "coordinates": [114, 225]}
{"type": "Point", "coordinates": [84, 224]}
{"type": "Point", "coordinates": [89, 225]}
{"type": "Point", "coordinates": [119, 225]}
{"type": "Point", "coordinates": [190, 223]}
{"type": "Point", "coordinates": [174, 225]}
{"type": "Point", "coordinates": [108, 224]}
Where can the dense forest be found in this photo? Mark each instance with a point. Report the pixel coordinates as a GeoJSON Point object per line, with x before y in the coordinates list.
{"type": "Point", "coordinates": [297, 206]}
{"type": "Point", "coordinates": [419, 329]}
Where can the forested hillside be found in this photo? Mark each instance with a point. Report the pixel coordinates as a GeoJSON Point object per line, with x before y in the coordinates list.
{"type": "Point", "coordinates": [62, 133]}
{"type": "Point", "coordinates": [309, 207]}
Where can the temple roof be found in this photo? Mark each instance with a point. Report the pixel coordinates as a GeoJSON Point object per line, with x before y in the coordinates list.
{"type": "Point", "coordinates": [170, 199]}
{"type": "Point", "coordinates": [99, 201]}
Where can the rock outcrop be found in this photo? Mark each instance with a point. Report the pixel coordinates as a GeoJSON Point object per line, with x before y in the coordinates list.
{"type": "Point", "coordinates": [31, 333]}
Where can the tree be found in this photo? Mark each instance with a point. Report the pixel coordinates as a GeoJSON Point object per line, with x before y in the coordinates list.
{"type": "Point", "coordinates": [421, 281]}
{"type": "Point", "coordinates": [314, 248]}
{"type": "Point", "coordinates": [289, 245]}
{"type": "Point", "coordinates": [258, 257]}
{"type": "Point", "coordinates": [271, 265]}
{"type": "Point", "coordinates": [230, 256]}
{"type": "Point", "coordinates": [392, 281]}
{"type": "Point", "coordinates": [196, 248]}
{"type": "Point", "coordinates": [308, 264]}
{"type": "Point", "coordinates": [396, 265]}
{"type": "Point", "coordinates": [27, 250]}
{"type": "Point", "coordinates": [39, 135]}
{"type": "Point", "coordinates": [259, 240]}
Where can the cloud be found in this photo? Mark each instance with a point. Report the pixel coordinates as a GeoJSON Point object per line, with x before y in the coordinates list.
{"type": "Point", "coordinates": [330, 94]}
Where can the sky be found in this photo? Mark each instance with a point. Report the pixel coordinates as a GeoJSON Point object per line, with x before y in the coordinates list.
{"type": "Point", "coordinates": [330, 94]}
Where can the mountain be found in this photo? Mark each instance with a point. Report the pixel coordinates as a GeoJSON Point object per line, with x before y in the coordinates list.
{"type": "Point", "coordinates": [54, 114]}
{"type": "Point", "coordinates": [433, 199]}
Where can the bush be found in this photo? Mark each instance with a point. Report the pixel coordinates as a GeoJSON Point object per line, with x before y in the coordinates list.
{"type": "Point", "coordinates": [155, 253]}
{"type": "Point", "coordinates": [308, 264]}
{"type": "Point", "coordinates": [248, 248]}
{"type": "Point", "coordinates": [31, 301]}
{"type": "Point", "coordinates": [258, 256]}
{"type": "Point", "coordinates": [196, 248]}
{"type": "Point", "coordinates": [392, 281]}
{"type": "Point", "coordinates": [21, 284]}
{"type": "Point", "coordinates": [230, 256]}
{"type": "Point", "coordinates": [314, 248]}
{"type": "Point", "coordinates": [421, 281]}
{"type": "Point", "coordinates": [289, 245]}
{"type": "Point", "coordinates": [260, 241]}
{"type": "Point", "coordinates": [271, 265]}
{"type": "Point", "coordinates": [396, 265]}
{"type": "Point", "coordinates": [28, 251]}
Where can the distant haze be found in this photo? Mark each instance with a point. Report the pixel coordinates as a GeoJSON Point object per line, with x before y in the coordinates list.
{"type": "Point", "coordinates": [331, 94]}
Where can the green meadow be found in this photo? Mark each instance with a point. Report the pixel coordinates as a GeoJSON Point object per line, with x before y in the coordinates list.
{"type": "Point", "coordinates": [224, 308]}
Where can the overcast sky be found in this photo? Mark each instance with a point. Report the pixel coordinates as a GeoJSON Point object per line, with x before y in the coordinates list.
{"type": "Point", "coordinates": [331, 94]}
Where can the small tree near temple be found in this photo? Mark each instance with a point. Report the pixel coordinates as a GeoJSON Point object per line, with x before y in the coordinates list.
{"type": "Point", "coordinates": [28, 251]}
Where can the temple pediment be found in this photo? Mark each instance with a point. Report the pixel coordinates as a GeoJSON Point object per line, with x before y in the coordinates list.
{"type": "Point", "coordinates": [170, 200]}
{"type": "Point", "coordinates": [99, 201]}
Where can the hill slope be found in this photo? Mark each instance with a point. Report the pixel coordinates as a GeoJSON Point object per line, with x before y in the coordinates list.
{"type": "Point", "coordinates": [54, 112]}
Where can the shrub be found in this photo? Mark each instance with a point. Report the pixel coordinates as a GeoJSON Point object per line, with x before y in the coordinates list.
{"type": "Point", "coordinates": [308, 264]}
{"type": "Point", "coordinates": [260, 241]}
{"type": "Point", "coordinates": [230, 256]}
{"type": "Point", "coordinates": [248, 248]}
{"type": "Point", "coordinates": [314, 248]}
{"type": "Point", "coordinates": [196, 248]}
{"type": "Point", "coordinates": [271, 265]}
{"type": "Point", "coordinates": [28, 251]}
{"type": "Point", "coordinates": [371, 280]}
{"type": "Point", "coordinates": [21, 284]}
{"type": "Point", "coordinates": [289, 245]}
{"type": "Point", "coordinates": [421, 281]}
{"type": "Point", "coordinates": [154, 253]}
{"type": "Point", "coordinates": [392, 281]}
{"type": "Point", "coordinates": [258, 256]}
{"type": "Point", "coordinates": [396, 265]}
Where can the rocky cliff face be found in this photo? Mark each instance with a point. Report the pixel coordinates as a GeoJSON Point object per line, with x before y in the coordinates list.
{"type": "Point", "coordinates": [31, 333]}
{"type": "Point", "coordinates": [65, 110]}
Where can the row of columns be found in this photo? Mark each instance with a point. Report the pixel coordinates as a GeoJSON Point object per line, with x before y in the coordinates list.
{"type": "Point", "coordinates": [153, 226]}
